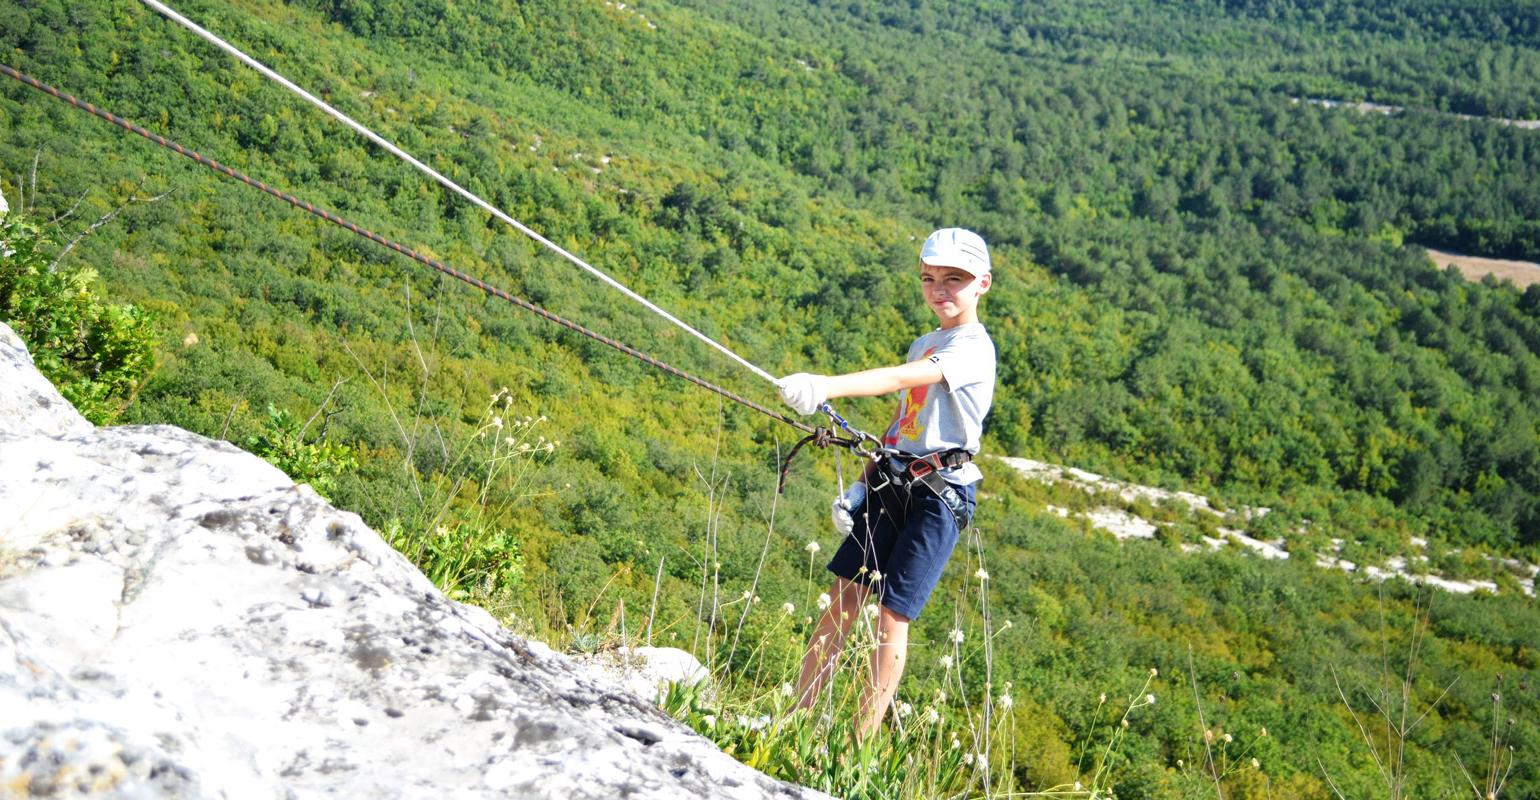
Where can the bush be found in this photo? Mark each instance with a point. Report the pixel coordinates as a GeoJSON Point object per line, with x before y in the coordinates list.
{"type": "Point", "coordinates": [281, 440]}
{"type": "Point", "coordinates": [97, 353]}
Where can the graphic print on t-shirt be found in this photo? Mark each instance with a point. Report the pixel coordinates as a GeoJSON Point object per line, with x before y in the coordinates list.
{"type": "Point", "coordinates": [908, 425]}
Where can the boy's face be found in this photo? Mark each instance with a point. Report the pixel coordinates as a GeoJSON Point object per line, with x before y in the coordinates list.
{"type": "Point", "coordinates": [952, 293]}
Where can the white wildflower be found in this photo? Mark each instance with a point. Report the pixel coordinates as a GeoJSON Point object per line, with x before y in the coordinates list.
{"type": "Point", "coordinates": [789, 608]}
{"type": "Point", "coordinates": [870, 610]}
{"type": "Point", "coordinates": [747, 595]}
{"type": "Point", "coordinates": [1229, 738]}
{"type": "Point", "coordinates": [786, 690]}
{"type": "Point", "coordinates": [956, 636]}
{"type": "Point", "coordinates": [1154, 672]}
{"type": "Point", "coordinates": [1255, 764]}
{"type": "Point", "coordinates": [1005, 702]}
{"type": "Point", "coordinates": [812, 547]}
{"type": "Point", "coordinates": [1149, 699]}
{"type": "Point", "coordinates": [876, 576]}
{"type": "Point", "coordinates": [710, 720]}
{"type": "Point", "coordinates": [932, 716]}
{"type": "Point", "coordinates": [824, 602]}
{"type": "Point", "coordinates": [497, 422]}
{"type": "Point", "coordinates": [945, 661]}
{"type": "Point", "coordinates": [904, 710]}
{"type": "Point", "coordinates": [981, 574]}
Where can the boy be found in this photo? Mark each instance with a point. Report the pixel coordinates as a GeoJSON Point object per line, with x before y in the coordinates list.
{"type": "Point", "coordinates": [904, 517]}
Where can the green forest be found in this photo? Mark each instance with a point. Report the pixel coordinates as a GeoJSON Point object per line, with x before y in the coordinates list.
{"type": "Point", "coordinates": [1203, 281]}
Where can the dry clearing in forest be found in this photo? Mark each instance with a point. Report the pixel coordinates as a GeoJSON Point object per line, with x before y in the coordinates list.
{"type": "Point", "coordinates": [1474, 268]}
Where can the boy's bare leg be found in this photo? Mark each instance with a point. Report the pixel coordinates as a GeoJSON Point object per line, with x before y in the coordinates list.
{"type": "Point", "coordinates": [887, 667]}
{"type": "Point", "coordinates": [828, 639]}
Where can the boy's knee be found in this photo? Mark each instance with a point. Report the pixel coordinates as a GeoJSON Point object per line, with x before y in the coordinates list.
{"type": "Point", "coordinates": [848, 591]}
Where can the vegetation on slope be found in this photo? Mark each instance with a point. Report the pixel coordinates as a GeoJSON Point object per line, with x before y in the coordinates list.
{"type": "Point", "coordinates": [1200, 283]}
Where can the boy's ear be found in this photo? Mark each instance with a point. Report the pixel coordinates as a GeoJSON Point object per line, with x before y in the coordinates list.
{"type": "Point", "coordinates": [984, 282]}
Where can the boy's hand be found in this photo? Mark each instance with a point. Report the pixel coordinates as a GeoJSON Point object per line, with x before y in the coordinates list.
{"type": "Point", "coordinates": [803, 391]}
{"type": "Point", "coordinates": [846, 505]}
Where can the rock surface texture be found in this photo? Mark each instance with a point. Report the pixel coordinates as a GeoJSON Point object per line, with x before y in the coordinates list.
{"type": "Point", "coordinates": [179, 619]}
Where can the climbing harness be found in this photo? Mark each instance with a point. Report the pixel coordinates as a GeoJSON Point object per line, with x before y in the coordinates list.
{"type": "Point", "coordinates": [905, 471]}
{"type": "Point", "coordinates": [819, 436]}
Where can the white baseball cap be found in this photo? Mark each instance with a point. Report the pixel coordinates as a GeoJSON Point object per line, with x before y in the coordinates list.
{"type": "Point", "coordinates": [956, 247]}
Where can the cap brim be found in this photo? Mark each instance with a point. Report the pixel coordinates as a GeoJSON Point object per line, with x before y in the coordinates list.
{"type": "Point", "coordinates": [964, 267]}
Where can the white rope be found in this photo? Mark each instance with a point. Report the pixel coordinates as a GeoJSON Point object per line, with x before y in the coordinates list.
{"type": "Point", "coordinates": [172, 15]}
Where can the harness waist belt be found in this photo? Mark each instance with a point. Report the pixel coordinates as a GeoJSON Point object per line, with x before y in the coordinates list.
{"type": "Point", "coordinates": [906, 470]}
{"type": "Point", "coordinates": [908, 467]}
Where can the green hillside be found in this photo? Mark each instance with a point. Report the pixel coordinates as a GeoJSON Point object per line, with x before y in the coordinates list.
{"type": "Point", "coordinates": [1202, 283]}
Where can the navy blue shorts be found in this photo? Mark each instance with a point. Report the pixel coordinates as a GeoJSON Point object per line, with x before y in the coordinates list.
{"type": "Point", "coordinates": [907, 536]}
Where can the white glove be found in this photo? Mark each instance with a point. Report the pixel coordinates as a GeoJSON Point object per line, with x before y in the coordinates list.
{"type": "Point", "coordinates": [804, 392]}
{"type": "Point", "coordinates": [846, 505]}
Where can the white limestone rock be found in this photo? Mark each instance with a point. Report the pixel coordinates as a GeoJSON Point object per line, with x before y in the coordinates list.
{"type": "Point", "coordinates": [28, 402]}
{"type": "Point", "coordinates": [647, 671]}
{"type": "Point", "coordinates": [178, 619]}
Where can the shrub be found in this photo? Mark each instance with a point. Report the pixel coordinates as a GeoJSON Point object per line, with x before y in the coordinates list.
{"type": "Point", "coordinates": [281, 440]}
{"type": "Point", "coordinates": [97, 353]}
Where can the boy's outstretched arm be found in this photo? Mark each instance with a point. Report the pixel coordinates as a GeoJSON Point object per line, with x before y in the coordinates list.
{"type": "Point", "coordinates": [805, 392]}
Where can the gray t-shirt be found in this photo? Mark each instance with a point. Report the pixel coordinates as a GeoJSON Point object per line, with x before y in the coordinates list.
{"type": "Point", "coordinates": [950, 414]}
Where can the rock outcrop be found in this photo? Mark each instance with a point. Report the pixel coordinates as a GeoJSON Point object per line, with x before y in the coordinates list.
{"type": "Point", "coordinates": [179, 619]}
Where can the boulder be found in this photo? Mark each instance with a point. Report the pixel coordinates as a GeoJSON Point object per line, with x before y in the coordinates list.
{"type": "Point", "coordinates": [179, 619]}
